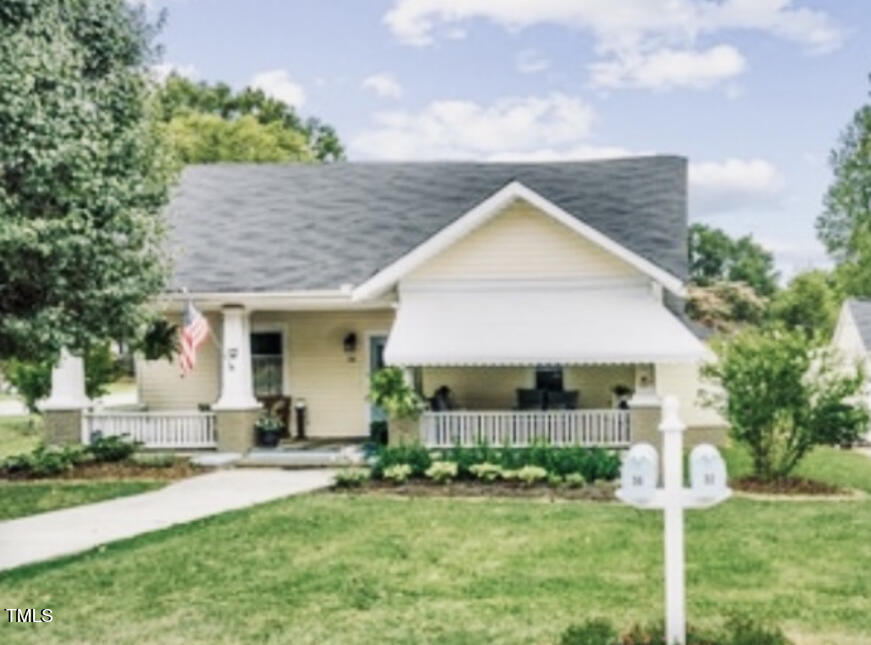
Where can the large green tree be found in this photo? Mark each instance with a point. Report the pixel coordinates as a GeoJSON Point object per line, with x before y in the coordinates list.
{"type": "Point", "coordinates": [83, 176]}
{"type": "Point", "coordinates": [208, 123]}
{"type": "Point", "coordinates": [810, 302]}
{"type": "Point", "coordinates": [845, 223]}
{"type": "Point", "coordinates": [715, 257]}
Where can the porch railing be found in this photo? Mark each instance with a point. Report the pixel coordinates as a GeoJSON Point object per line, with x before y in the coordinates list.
{"type": "Point", "coordinates": [155, 429]}
{"type": "Point", "coordinates": [523, 428]}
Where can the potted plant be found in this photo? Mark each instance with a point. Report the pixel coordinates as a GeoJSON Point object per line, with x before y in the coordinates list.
{"type": "Point", "coordinates": [269, 429]}
{"type": "Point", "coordinates": [622, 394]}
{"type": "Point", "coordinates": [389, 391]}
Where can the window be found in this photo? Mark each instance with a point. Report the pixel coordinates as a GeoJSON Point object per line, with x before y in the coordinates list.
{"type": "Point", "coordinates": [267, 363]}
{"type": "Point", "coordinates": [549, 378]}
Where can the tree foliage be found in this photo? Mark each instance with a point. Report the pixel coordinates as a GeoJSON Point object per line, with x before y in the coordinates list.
{"type": "Point", "coordinates": [83, 176]}
{"type": "Point", "coordinates": [845, 223]}
{"type": "Point", "coordinates": [810, 303]}
{"type": "Point", "coordinates": [210, 123]}
{"type": "Point", "coordinates": [726, 306]}
{"type": "Point", "coordinates": [782, 395]}
{"type": "Point", "coordinates": [388, 390]}
{"type": "Point", "coordinates": [715, 257]}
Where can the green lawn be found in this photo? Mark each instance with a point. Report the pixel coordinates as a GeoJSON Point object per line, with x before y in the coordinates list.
{"type": "Point", "coordinates": [19, 434]}
{"type": "Point", "coordinates": [327, 568]}
{"type": "Point", "coordinates": [27, 498]}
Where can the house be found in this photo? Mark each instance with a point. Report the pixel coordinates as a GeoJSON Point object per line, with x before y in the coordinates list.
{"type": "Point", "coordinates": [531, 290]}
{"type": "Point", "coordinates": [852, 337]}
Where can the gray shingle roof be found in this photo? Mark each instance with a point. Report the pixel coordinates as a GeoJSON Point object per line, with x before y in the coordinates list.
{"type": "Point", "coordinates": [861, 312]}
{"type": "Point", "coordinates": [271, 227]}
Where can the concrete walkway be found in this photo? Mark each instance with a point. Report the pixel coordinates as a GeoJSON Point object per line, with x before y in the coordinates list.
{"type": "Point", "coordinates": [57, 533]}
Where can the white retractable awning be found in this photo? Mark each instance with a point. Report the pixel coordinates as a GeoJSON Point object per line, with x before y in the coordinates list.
{"type": "Point", "coordinates": [536, 325]}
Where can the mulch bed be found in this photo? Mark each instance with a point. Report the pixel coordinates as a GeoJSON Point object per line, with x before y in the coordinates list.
{"type": "Point", "coordinates": [602, 492]}
{"type": "Point", "coordinates": [124, 470]}
{"type": "Point", "coordinates": [785, 486]}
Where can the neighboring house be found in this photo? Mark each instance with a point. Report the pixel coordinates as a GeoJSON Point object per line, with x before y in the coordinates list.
{"type": "Point", "coordinates": [511, 284]}
{"type": "Point", "coordinates": [852, 338]}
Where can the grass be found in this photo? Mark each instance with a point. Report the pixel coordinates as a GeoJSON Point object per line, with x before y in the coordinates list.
{"type": "Point", "coordinates": [831, 465]}
{"type": "Point", "coordinates": [363, 570]}
{"type": "Point", "coordinates": [19, 434]}
{"type": "Point", "coordinates": [27, 498]}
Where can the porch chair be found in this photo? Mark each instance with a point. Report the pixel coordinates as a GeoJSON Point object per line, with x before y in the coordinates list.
{"type": "Point", "coordinates": [530, 399]}
{"type": "Point", "coordinates": [563, 400]}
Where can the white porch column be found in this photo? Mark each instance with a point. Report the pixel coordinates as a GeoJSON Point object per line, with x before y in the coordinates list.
{"type": "Point", "coordinates": [236, 409]}
{"type": "Point", "coordinates": [63, 408]}
{"type": "Point", "coordinates": [67, 384]}
{"type": "Point", "coordinates": [237, 388]}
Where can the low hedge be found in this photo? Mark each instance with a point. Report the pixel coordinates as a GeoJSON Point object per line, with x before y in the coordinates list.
{"type": "Point", "coordinates": [591, 463]}
{"type": "Point", "coordinates": [47, 461]}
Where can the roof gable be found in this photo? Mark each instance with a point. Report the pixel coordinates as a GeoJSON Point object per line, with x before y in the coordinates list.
{"type": "Point", "coordinates": [287, 227]}
{"type": "Point", "coordinates": [487, 210]}
{"type": "Point", "coordinates": [860, 311]}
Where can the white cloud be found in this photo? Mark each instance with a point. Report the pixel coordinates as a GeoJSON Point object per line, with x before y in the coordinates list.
{"type": "Point", "coordinates": [734, 185]}
{"type": "Point", "coordinates": [634, 32]}
{"type": "Point", "coordinates": [161, 71]}
{"type": "Point", "coordinates": [530, 61]}
{"type": "Point", "coordinates": [384, 85]}
{"type": "Point", "coordinates": [277, 84]}
{"type": "Point", "coordinates": [668, 68]}
{"type": "Point", "coordinates": [453, 129]}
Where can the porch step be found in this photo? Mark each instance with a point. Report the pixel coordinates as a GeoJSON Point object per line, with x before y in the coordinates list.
{"type": "Point", "coordinates": [290, 458]}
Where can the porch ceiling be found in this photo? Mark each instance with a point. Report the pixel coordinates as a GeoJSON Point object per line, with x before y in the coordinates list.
{"type": "Point", "coordinates": [536, 324]}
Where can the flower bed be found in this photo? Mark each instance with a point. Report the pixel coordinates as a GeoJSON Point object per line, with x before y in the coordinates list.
{"type": "Point", "coordinates": [785, 486]}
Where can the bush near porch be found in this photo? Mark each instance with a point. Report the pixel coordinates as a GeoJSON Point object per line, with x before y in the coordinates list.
{"type": "Point", "coordinates": [361, 570]}
{"type": "Point", "coordinates": [486, 463]}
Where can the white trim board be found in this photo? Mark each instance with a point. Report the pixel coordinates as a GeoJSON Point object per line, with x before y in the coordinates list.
{"type": "Point", "coordinates": [388, 277]}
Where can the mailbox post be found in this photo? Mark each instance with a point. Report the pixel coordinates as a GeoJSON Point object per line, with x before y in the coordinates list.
{"type": "Point", "coordinates": [638, 488]}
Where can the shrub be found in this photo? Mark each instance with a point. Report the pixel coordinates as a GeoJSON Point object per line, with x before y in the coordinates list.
{"type": "Point", "coordinates": [575, 480]}
{"type": "Point", "coordinates": [44, 461]}
{"type": "Point", "coordinates": [531, 474]}
{"type": "Point", "coordinates": [487, 472]}
{"type": "Point", "coordinates": [413, 455]}
{"type": "Point", "coordinates": [442, 471]}
{"type": "Point", "coordinates": [388, 390]}
{"type": "Point", "coordinates": [782, 395]}
{"type": "Point", "coordinates": [112, 448]}
{"type": "Point", "coordinates": [154, 460]}
{"type": "Point", "coordinates": [554, 480]}
{"type": "Point", "coordinates": [593, 631]}
{"type": "Point", "coordinates": [398, 473]}
{"type": "Point", "coordinates": [351, 477]}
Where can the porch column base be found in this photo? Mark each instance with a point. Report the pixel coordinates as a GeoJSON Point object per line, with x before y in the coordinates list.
{"type": "Point", "coordinates": [235, 429]}
{"type": "Point", "coordinates": [645, 413]}
{"type": "Point", "coordinates": [62, 427]}
{"type": "Point", "coordinates": [403, 431]}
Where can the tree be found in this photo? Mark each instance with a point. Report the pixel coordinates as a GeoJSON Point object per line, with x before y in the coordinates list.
{"type": "Point", "coordinates": [209, 123]}
{"type": "Point", "coordinates": [844, 226]}
{"type": "Point", "coordinates": [810, 303]}
{"type": "Point", "coordinates": [716, 257]}
{"type": "Point", "coordinates": [782, 395]}
{"type": "Point", "coordinates": [84, 176]}
{"type": "Point", "coordinates": [726, 306]}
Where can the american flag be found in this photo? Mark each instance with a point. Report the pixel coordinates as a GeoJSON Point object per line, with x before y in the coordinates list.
{"type": "Point", "coordinates": [194, 331]}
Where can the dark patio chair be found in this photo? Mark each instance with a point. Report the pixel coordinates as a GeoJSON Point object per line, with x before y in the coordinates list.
{"type": "Point", "coordinates": [530, 399]}
{"type": "Point", "coordinates": [565, 400]}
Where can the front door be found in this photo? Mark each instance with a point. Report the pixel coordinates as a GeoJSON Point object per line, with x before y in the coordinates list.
{"type": "Point", "coordinates": [376, 362]}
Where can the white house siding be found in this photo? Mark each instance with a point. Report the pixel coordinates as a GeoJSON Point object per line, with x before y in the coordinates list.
{"type": "Point", "coordinates": [162, 387]}
{"type": "Point", "coordinates": [522, 243]}
{"type": "Point", "coordinates": [682, 380]}
{"type": "Point", "coordinates": [847, 339]}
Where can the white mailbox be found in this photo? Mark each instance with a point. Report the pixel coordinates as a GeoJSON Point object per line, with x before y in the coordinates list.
{"type": "Point", "coordinates": [707, 472]}
{"type": "Point", "coordinates": [639, 474]}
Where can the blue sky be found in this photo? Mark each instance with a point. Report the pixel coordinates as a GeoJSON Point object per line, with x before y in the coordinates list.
{"type": "Point", "coordinates": [753, 92]}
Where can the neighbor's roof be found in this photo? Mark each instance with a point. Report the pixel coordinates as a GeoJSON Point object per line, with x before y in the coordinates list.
{"type": "Point", "coordinates": [283, 227]}
{"type": "Point", "coordinates": [861, 312]}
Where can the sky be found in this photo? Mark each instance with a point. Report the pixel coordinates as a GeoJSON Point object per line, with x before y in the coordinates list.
{"type": "Point", "coordinates": [753, 92]}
